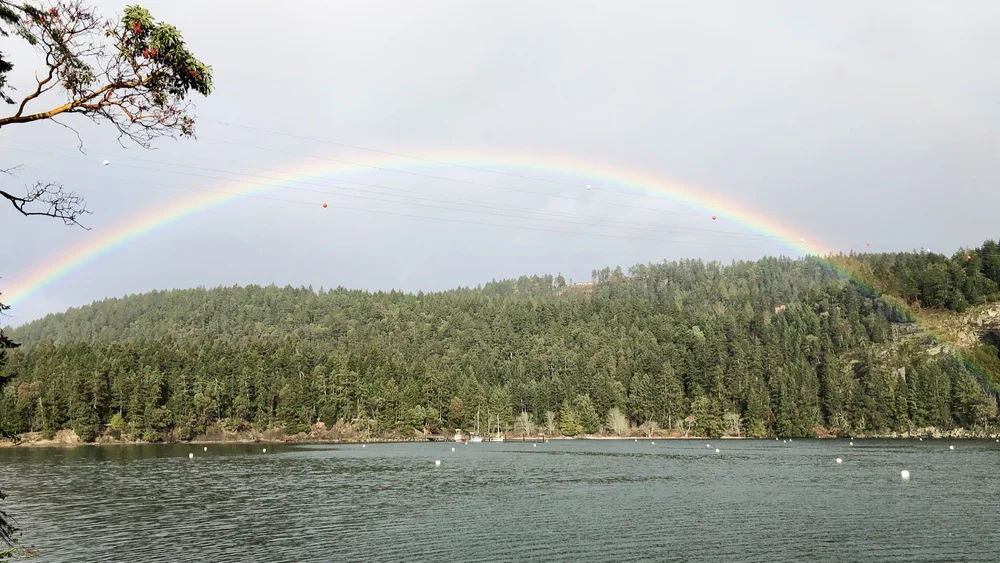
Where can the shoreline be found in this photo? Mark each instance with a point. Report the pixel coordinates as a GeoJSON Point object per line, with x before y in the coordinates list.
{"type": "Point", "coordinates": [68, 439]}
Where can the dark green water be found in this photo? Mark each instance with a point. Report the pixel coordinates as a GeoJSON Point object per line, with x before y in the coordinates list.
{"type": "Point", "coordinates": [560, 501]}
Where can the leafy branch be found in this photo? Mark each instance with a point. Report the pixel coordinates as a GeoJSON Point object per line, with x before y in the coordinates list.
{"type": "Point", "coordinates": [135, 73]}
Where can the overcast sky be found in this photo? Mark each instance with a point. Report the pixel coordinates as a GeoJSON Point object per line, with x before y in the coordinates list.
{"type": "Point", "coordinates": [847, 122]}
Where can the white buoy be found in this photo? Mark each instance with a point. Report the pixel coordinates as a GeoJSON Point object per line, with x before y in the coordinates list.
{"type": "Point", "coordinates": [951, 447]}
{"type": "Point", "coordinates": [206, 448]}
{"type": "Point", "coordinates": [708, 445]}
{"type": "Point", "coordinates": [264, 450]}
{"type": "Point", "coordinates": [852, 443]}
{"type": "Point", "coordinates": [190, 456]}
{"type": "Point", "coordinates": [534, 445]}
{"type": "Point", "coordinates": [716, 450]}
{"type": "Point", "coordinates": [437, 462]}
{"type": "Point", "coordinates": [363, 445]}
{"type": "Point", "coordinates": [802, 240]}
{"type": "Point", "coordinates": [789, 439]}
{"type": "Point", "coordinates": [636, 440]}
{"type": "Point", "coordinates": [921, 439]}
{"type": "Point", "coordinates": [904, 474]}
{"type": "Point", "coordinates": [784, 441]}
{"type": "Point", "coordinates": [453, 449]}
{"type": "Point", "coordinates": [588, 186]}
{"type": "Point", "coordinates": [107, 162]}
{"type": "Point", "coordinates": [840, 460]}
{"type": "Point", "coordinates": [653, 443]}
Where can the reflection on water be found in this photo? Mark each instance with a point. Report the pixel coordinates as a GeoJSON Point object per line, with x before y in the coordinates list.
{"type": "Point", "coordinates": [559, 501]}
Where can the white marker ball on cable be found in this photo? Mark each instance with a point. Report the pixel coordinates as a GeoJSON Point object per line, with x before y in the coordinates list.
{"type": "Point", "coordinates": [588, 186]}
{"type": "Point", "coordinates": [107, 162]}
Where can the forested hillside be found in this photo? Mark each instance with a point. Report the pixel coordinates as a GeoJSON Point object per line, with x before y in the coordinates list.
{"type": "Point", "coordinates": [773, 347]}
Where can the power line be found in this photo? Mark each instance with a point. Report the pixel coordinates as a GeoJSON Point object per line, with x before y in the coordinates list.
{"type": "Point", "coordinates": [464, 166]}
{"type": "Point", "coordinates": [447, 179]}
{"type": "Point", "coordinates": [314, 204]}
{"type": "Point", "coordinates": [453, 164]}
{"type": "Point", "coordinates": [375, 185]}
{"type": "Point", "coordinates": [476, 203]}
{"type": "Point", "coordinates": [445, 219]}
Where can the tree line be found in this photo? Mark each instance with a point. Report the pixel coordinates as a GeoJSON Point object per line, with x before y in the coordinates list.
{"type": "Point", "coordinates": [773, 347]}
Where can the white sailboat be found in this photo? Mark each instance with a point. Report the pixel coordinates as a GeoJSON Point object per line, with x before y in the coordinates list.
{"type": "Point", "coordinates": [475, 435]}
{"type": "Point", "coordinates": [498, 437]}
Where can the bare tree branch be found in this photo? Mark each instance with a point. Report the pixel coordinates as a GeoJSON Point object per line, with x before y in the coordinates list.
{"type": "Point", "coordinates": [51, 200]}
{"type": "Point", "coordinates": [78, 137]}
{"type": "Point", "coordinates": [41, 88]}
{"type": "Point", "coordinates": [47, 199]}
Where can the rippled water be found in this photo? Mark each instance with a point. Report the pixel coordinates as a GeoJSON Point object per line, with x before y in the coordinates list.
{"type": "Point", "coordinates": [560, 501]}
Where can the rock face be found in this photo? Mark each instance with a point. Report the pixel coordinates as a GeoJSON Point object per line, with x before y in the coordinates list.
{"type": "Point", "coordinates": [978, 325]}
{"type": "Point", "coordinates": [62, 438]}
{"type": "Point", "coordinates": [67, 437]}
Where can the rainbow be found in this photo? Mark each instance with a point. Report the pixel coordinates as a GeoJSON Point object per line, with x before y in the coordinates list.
{"type": "Point", "coordinates": [127, 232]}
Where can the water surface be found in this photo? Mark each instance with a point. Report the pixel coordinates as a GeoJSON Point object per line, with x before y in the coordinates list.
{"type": "Point", "coordinates": [560, 501]}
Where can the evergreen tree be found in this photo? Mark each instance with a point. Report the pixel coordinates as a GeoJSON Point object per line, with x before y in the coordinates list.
{"type": "Point", "coordinates": [589, 420]}
{"type": "Point", "coordinates": [569, 425]}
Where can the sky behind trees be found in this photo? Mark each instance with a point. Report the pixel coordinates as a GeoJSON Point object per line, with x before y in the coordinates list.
{"type": "Point", "coordinates": [847, 124]}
